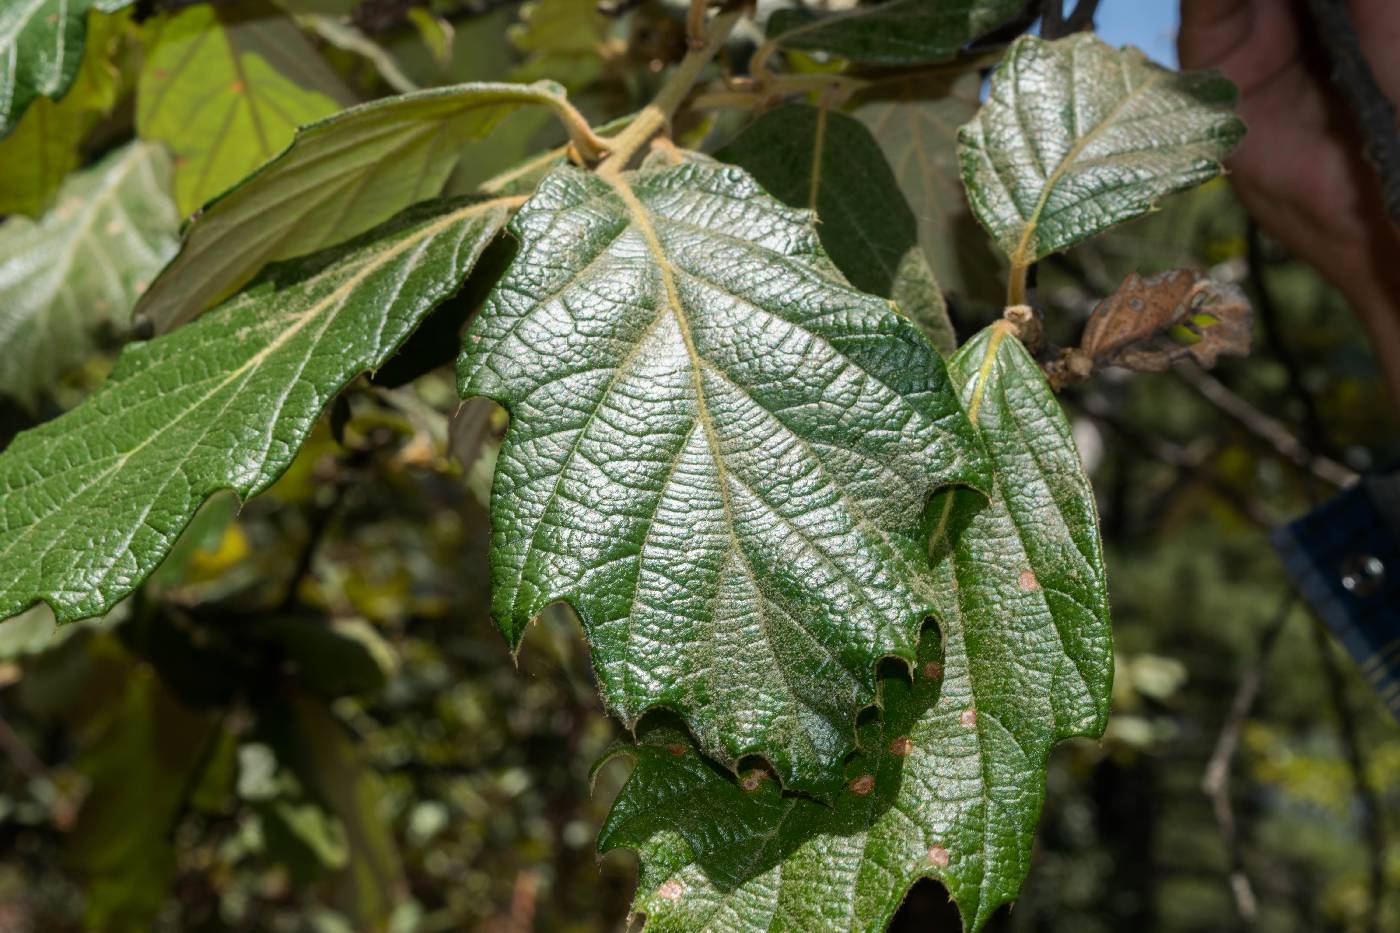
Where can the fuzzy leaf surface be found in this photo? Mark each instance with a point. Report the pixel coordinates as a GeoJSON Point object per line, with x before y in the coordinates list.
{"type": "Point", "coordinates": [829, 163]}
{"type": "Point", "coordinates": [41, 46]}
{"type": "Point", "coordinates": [900, 32]}
{"type": "Point", "coordinates": [221, 107]}
{"type": "Point", "coordinates": [92, 501]}
{"type": "Point", "coordinates": [1076, 136]}
{"type": "Point", "coordinates": [718, 453]}
{"type": "Point", "coordinates": [79, 269]}
{"type": "Point", "coordinates": [951, 774]}
{"type": "Point", "coordinates": [338, 178]}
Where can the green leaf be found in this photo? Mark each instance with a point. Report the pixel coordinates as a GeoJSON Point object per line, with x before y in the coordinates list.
{"type": "Point", "coordinates": [75, 274]}
{"type": "Point", "coordinates": [916, 123]}
{"type": "Point", "coordinates": [94, 499]}
{"type": "Point", "coordinates": [1077, 136]}
{"type": "Point", "coordinates": [951, 774]}
{"type": "Point", "coordinates": [41, 46]}
{"type": "Point", "coordinates": [718, 452]}
{"type": "Point", "coordinates": [828, 162]}
{"type": "Point", "coordinates": [338, 178]}
{"type": "Point", "coordinates": [900, 32]}
{"type": "Point", "coordinates": [222, 109]}
{"type": "Point", "coordinates": [45, 145]}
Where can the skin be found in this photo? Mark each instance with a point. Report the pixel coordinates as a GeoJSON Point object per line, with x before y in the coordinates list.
{"type": "Point", "coordinates": [1300, 171]}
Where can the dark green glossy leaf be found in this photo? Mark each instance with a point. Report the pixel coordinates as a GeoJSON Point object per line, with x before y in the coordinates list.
{"type": "Point", "coordinates": [950, 778]}
{"type": "Point", "coordinates": [828, 162]}
{"type": "Point", "coordinates": [78, 271]}
{"type": "Point", "coordinates": [718, 453]}
{"type": "Point", "coordinates": [900, 32]}
{"type": "Point", "coordinates": [93, 500]}
{"type": "Point", "coordinates": [41, 45]}
{"type": "Point", "coordinates": [1076, 136]}
{"type": "Point", "coordinates": [338, 178]}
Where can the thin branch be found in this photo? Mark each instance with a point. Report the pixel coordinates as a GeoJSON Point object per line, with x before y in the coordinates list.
{"type": "Point", "coordinates": [1370, 806]}
{"type": "Point", "coordinates": [1264, 427]}
{"type": "Point", "coordinates": [1216, 781]}
{"type": "Point", "coordinates": [1374, 113]}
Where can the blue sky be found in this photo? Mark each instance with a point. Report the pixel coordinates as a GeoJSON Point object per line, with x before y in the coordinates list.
{"type": "Point", "coordinates": [1148, 24]}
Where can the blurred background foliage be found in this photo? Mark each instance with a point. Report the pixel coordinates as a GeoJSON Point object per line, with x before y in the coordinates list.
{"type": "Point", "coordinates": [308, 722]}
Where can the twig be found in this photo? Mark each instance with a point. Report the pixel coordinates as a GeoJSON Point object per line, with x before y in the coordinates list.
{"type": "Point", "coordinates": [654, 117]}
{"type": "Point", "coordinates": [1174, 455]}
{"type": "Point", "coordinates": [1267, 310]}
{"type": "Point", "coordinates": [1216, 781]}
{"type": "Point", "coordinates": [1370, 806]}
{"type": "Point", "coordinates": [1374, 113]}
{"type": "Point", "coordinates": [1264, 427]}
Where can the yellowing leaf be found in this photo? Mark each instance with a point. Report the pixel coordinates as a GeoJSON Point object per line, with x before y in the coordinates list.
{"type": "Point", "coordinates": [222, 109]}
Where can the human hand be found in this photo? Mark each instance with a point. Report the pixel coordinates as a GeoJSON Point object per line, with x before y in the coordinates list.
{"type": "Point", "coordinates": [1300, 170]}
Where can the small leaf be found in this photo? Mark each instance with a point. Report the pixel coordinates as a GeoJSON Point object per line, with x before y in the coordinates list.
{"type": "Point", "coordinates": [900, 32]}
{"type": "Point", "coordinates": [41, 46]}
{"type": "Point", "coordinates": [94, 499]}
{"type": "Point", "coordinates": [78, 271]}
{"type": "Point", "coordinates": [828, 162]}
{"type": "Point", "coordinates": [1134, 326]}
{"type": "Point", "coordinates": [222, 109]}
{"type": "Point", "coordinates": [916, 124]}
{"type": "Point", "coordinates": [1076, 136]}
{"type": "Point", "coordinates": [951, 774]}
{"type": "Point", "coordinates": [717, 453]}
{"type": "Point", "coordinates": [338, 178]}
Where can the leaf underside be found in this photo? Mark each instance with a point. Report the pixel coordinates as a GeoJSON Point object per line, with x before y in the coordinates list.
{"type": "Point", "coordinates": [80, 268]}
{"type": "Point", "coordinates": [900, 32]}
{"type": "Point", "coordinates": [336, 179]}
{"type": "Point", "coordinates": [92, 501]}
{"type": "Point", "coordinates": [828, 162]}
{"type": "Point", "coordinates": [718, 452]}
{"type": "Point", "coordinates": [951, 774]}
{"type": "Point", "coordinates": [919, 136]}
{"type": "Point", "coordinates": [1077, 136]}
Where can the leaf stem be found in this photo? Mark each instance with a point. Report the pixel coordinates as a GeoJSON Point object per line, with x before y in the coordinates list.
{"type": "Point", "coordinates": [655, 116]}
{"type": "Point", "coordinates": [590, 146]}
{"type": "Point", "coordinates": [1016, 284]}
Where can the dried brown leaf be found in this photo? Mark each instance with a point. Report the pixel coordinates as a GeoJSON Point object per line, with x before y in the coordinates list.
{"type": "Point", "coordinates": [1149, 323]}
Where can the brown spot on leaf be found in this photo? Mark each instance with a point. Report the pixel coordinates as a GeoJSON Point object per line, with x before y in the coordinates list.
{"type": "Point", "coordinates": [1028, 581]}
{"type": "Point", "coordinates": [901, 746]}
{"type": "Point", "coordinates": [933, 670]}
{"type": "Point", "coordinates": [671, 890]}
{"type": "Point", "coordinates": [751, 781]}
{"type": "Point", "coordinates": [863, 785]}
{"type": "Point", "coordinates": [968, 718]}
{"type": "Point", "coordinates": [237, 87]}
{"type": "Point", "coordinates": [675, 748]}
{"type": "Point", "coordinates": [937, 855]}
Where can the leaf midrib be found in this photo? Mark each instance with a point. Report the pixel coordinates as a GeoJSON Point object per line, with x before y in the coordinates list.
{"type": "Point", "coordinates": [1031, 223]}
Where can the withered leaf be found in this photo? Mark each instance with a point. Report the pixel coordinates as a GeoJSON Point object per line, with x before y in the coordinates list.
{"type": "Point", "coordinates": [1148, 323]}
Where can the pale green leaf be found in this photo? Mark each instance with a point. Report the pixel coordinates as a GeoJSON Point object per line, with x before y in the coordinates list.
{"type": "Point", "coordinates": [338, 178]}
{"type": "Point", "coordinates": [92, 501]}
{"type": "Point", "coordinates": [828, 162]}
{"type": "Point", "coordinates": [916, 123]}
{"type": "Point", "coordinates": [900, 32]}
{"type": "Point", "coordinates": [951, 774]}
{"type": "Point", "coordinates": [41, 46]}
{"type": "Point", "coordinates": [45, 146]}
{"type": "Point", "coordinates": [78, 271]}
{"type": "Point", "coordinates": [222, 109]}
{"type": "Point", "coordinates": [1076, 136]}
{"type": "Point", "coordinates": [718, 453]}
